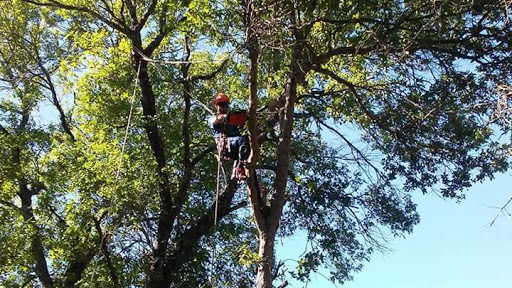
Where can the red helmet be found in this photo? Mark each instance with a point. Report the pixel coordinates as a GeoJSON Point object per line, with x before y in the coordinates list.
{"type": "Point", "coordinates": [220, 98]}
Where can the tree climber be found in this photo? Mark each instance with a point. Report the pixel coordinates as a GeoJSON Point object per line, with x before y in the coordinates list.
{"type": "Point", "coordinates": [227, 133]}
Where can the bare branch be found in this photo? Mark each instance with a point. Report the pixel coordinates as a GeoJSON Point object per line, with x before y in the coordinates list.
{"type": "Point", "coordinates": [52, 3]}
{"type": "Point", "coordinates": [502, 209]}
{"type": "Point", "coordinates": [352, 146]}
{"type": "Point", "coordinates": [210, 75]}
{"type": "Point", "coordinates": [146, 15]}
{"type": "Point", "coordinates": [55, 100]}
{"type": "Point", "coordinates": [365, 233]}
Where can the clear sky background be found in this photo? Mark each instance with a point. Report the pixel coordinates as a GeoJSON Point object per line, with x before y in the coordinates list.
{"type": "Point", "coordinates": [454, 245]}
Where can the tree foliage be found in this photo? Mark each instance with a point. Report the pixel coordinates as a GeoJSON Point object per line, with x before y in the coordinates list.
{"type": "Point", "coordinates": [108, 173]}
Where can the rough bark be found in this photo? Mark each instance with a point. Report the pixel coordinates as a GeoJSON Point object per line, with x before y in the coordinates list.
{"type": "Point", "coordinates": [253, 49]}
{"type": "Point", "coordinates": [266, 223]}
{"type": "Point", "coordinates": [270, 222]}
{"type": "Point", "coordinates": [25, 194]}
{"type": "Point", "coordinates": [166, 217]}
{"type": "Point", "coordinates": [166, 263]}
{"type": "Point", "coordinates": [188, 166]}
{"type": "Point", "coordinates": [264, 277]}
{"type": "Point", "coordinates": [186, 243]}
{"type": "Point", "coordinates": [76, 267]}
{"type": "Point", "coordinates": [36, 245]}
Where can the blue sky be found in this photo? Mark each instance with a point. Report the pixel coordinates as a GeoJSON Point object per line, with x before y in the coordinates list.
{"type": "Point", "coordinates": [453, 246]}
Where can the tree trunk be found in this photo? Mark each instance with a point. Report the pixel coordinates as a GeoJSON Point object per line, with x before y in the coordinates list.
{"type": "Point", "coordinates": [258, 202]}
{"type": "Point", "coordinates": [36, 245]}
{"type": "Point", "coordinates": [266, 253]}
{"type": "Point", "coordinates": [268, 222]}
{"type": "Point", "coordinates": [156, 274]}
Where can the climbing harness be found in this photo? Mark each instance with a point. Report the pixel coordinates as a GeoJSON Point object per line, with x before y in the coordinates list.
{"type": "Point", "coordinates": [235, 118]}
{"type": "Point", "coordinates": [223, 146]}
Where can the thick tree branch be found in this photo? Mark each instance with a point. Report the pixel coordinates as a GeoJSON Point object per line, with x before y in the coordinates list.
{"type": "Point", "coordinates": [182, 194]}
{"type": "Point", "coordinates": [286, 126]}
{"type": "Point", "coordinates": [25, 194]}
{"type": "Point", "coordinates": [162, 32]}
{"type": "Point", "coordinates": [148, 51]}
{"type": "Point", "coordinates": [237, 206]}
{"type": "Point", "coordinates": [273, 216]}
{"type": "Point", "coordinates": [419, 44]}
{"type": "Point", "coordinates": [188, 163]}
{"type": "Point", "coordinates": [78, 265]}
{"type": "Point", "coordinates": [25, 117]}
{"type": "Point", "coordinates": [28, 281]}
{"type": "Point", "coordinates": [166, 218]}
{"type": "Point", "coordinates": [252, 42]}
{"type": "Point", "coordinates": [36, 245]}
{"type": "Point", "coordinates": [9, 204]}
{"type": "Point", "coordinates": [203, 154]}
{"type": "Point", "coordinates": [187, 242]}
{"type": "Point", "coordinates": [103, 238]}
{"type": "Point", "coordinates": [3, 130]}
{"type": "Point", "coordinates": [133, 12]}
{"type": "Point", "coordinates": [144, 19]}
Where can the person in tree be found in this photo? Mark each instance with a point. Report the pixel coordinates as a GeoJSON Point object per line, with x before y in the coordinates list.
{"type": "Point", "coordinates": [226, 129]}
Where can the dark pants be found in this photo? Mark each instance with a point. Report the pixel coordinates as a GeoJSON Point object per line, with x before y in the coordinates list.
{"type": "Point", "coordinates": [237, 149]}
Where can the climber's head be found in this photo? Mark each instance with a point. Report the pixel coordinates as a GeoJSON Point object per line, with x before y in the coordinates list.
{"type": "Point", "coordinates": [221, 102]}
